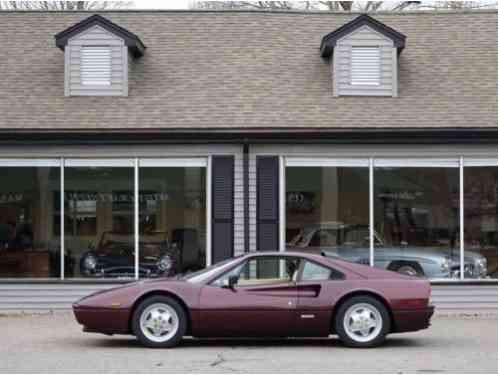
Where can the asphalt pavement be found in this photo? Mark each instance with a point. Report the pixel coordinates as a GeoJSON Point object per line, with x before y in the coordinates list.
{"type": "Point", "coordinates": [55, 343]}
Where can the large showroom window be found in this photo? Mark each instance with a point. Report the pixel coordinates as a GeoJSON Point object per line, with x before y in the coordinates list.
{"type": "Point", "coordinates": [172, 218]}
{"type": "Point", "coordinates": [29, 248]}
{"type": "Point", "coordinates": [406, 215]}
{"type": "Point", "coordinates": [327, 208]}
{"type": "Point", "coordinates": [103, 218]}
{"type": "Point", "coordinates": [481, 218]}
{"type": "Point", "coordinates": [98, 218]}
{"type": "Point", "coordinates": [416, 217]}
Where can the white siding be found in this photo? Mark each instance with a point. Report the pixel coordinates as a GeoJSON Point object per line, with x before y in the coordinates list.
{"type": "Point", "coordinates": [342, 64]}
{"type": "Point", "coordinates": [96, 38]}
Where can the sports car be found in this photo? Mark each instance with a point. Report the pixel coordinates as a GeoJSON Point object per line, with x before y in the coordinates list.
{"type": "Point", "coordinates": [270, 294]}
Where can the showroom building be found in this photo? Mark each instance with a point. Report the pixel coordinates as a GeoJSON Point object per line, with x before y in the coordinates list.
{"type": "Point", "coordinates": [138, 144]}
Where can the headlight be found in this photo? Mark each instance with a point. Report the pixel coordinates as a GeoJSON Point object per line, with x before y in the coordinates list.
{"type": "Point", "coordinates": [445, 265]}
{"type": "Point", "coordinates": [164, 263]}
{"type": "Point", "coordinates": [90, 262]}
{"type": "Point", "coordinates": [482, 267]}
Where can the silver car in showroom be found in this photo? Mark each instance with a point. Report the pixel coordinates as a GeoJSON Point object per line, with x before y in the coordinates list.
{"type": "Point", "coordinates": [351, 242]}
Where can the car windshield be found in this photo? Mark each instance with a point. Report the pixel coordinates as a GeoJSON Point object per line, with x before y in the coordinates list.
{"type": "Point", "coordinates": [206, 273]}
{"type": "Point", "coordinates": [149, 244]}
{"type": "Point", "coordinates": [323, 236]}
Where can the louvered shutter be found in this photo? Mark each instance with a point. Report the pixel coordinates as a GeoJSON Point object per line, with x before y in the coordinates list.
{"type": "Point", "coordinates": [222, 180]}
{"type": "Point", "coordinates": [365, 66]}
{"type": "Point", "coordinates": [96, 66]}
{"type": "Point", "coordinates": [267, 203]}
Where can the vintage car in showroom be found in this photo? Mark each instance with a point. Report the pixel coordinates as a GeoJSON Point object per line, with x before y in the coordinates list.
{"type": "Point", "coordinates": [114, 256]}
{"type": "Point", "coordinates": [270, 294]}
{"type": "Point", "coordinates": [351, 242]}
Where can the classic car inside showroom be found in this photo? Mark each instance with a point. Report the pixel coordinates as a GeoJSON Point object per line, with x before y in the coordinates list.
{"type": "Point", "coordinates": [125, 155]}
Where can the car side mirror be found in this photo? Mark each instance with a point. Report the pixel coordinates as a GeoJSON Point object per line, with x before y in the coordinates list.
{"type": "Point", "coordinates": [231, 282]}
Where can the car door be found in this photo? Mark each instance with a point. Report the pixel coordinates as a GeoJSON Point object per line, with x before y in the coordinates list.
{"type": "Point", "coordinates": [261, 304]}
{"type": "Point", "coordinates": [318, 287]}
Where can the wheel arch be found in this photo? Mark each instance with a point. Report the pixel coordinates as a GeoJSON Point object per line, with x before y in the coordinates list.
{"type": "Point", "coordinates": [396, 264]}
{"type": "Point", "coordinates": [161, 292]}
{"type": "Point", "coordinates": [356, 293]}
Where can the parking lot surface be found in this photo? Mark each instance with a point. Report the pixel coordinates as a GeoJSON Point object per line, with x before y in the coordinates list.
{"type": "Point", "coordinates": [55, 343]}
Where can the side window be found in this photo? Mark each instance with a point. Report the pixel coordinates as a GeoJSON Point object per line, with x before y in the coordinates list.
{"type": "Point", "coordinates": [262, 271]}
{"type": "Point", "coordinates": [316, 272]}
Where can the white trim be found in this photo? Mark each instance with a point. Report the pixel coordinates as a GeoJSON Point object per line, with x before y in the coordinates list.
{"type": "Point", "coordinates": [209, 254]}
{"type": "Point", "coordinates": [461, 214]}
{"type": "Point", "coordinates": [136, 218]}
{"type": "Point", "coordinates": [62, 213]}
{"type": "Point", "coordinates": [281, 205]}
{"type": "Point", "coordinates": [173, 162]}
{"type": "Point", "coordinates": [415, 163]}
{"type": "Point", "coordinates": [480, 162]}
{"type": "Point", "coordinates": [325, 162]}
{"type": "Point", "coordinates": [129, 163]}
{"type": "Point", "coordinates": [371, 209]}
{"type": "Point", "coordinates": [30, 162]}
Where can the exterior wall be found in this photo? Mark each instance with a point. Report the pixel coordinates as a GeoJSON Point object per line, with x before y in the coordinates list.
{"type": "Point", "coordinates": [341, 66]}
{"type": "Point", "coordinates": [43, 297]}
{"type": "Point", "coordinates": [96, 36]}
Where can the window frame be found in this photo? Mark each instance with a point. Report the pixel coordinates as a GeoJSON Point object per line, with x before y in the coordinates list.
{"type": "Point", "coordinates": [449, 160]}
{"type": "Point", "coordinates": [63, 162]}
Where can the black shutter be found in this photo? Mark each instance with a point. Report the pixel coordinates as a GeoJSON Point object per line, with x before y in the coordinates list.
{"type": "Point", "coordinates": [267, 203]}
{"type": "Point", "coordinates": [222, 170]}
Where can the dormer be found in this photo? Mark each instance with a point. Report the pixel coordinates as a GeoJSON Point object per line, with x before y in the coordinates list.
{"type": "Point", "coordinates": [365, 58]}
{"type": "Point", "coordinates": [96, 55]}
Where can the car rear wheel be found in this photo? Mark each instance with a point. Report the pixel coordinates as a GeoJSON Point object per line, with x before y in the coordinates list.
{"type": "Point", "coordinates": [409, 270]}
{"type": "Point", "coordinates": [159, 322]}
{"type": "Point", "coordinates": [362, 321]}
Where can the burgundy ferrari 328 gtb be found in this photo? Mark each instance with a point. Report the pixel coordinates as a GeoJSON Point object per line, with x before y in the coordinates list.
{"type": "Point", "coordinates": [267, 294]}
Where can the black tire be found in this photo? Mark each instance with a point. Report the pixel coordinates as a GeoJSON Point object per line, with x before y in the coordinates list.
{"type": "Point", "coordinates": [349, 340]}
{"type": "Point", "coordinates": [182, 322]}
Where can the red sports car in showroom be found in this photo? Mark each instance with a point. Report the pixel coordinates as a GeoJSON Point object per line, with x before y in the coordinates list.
{"type": "Point", "coordinates": [267, 294]}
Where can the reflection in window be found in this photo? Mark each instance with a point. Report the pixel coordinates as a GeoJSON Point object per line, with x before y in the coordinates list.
{"type": "Point", "coordinates": [327, 210]}
{"type": "Point", "coordinates": [28, 246]}
{"type": "Point", "coordinates": [481, 221]}
{"type": "Point", "coordinates": [417, 217]}
{"type": "Point", "coordinates": [262, 271]}
{"type": "Point", "coordinates": [172, 204]}
{"type": "Point", "coordinates": [98, 222]}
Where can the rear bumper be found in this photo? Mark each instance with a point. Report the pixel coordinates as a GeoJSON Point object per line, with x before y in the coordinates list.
{"type": "Point", "coordinates": [412, 320]}
{"type": "Point", "coordinates": [102, 320]}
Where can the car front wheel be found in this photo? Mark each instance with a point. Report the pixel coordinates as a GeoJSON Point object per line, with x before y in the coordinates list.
{"type": "Point", "coordinates": [362, 321]}
{"type": "Point", "coordinates": [159, 322]}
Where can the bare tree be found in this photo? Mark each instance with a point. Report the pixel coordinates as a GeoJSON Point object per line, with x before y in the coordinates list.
{"type": "Point", "coordinates": [343, 6]}
{"type": "Point", "coordinates": [64, 5]}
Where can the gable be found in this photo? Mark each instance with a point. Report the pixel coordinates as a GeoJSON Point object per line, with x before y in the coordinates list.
{"type": "Point", "coordinates": [365, 36]}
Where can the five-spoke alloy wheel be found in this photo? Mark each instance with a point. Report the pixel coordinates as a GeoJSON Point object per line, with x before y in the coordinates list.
{"type": "Point", "coordinates": [159, 322]}
{"type": "Point", "coordinates": [362, 321]}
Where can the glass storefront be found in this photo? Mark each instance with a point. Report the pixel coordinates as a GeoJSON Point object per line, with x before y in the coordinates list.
{"type": "Point", "coordinates": [98, 221]}
{"type": "Point", "coordinates": [29, 247]}
{"type": "Point", "coordinates": [87, 211]}
{"type": "Point", "coordinates": [327, 211]}
{"type": "Point", "coordinates": [416, 220]}
{"type": "Point", "coordinates": [481, 220]}
{"type": "Point", "coordinates": [417, 207]}
{"type": "Point", "coordinates": [173, 217]}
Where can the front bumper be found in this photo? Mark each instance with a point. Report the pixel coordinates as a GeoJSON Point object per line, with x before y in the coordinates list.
{"type": "Point", "coordinates": [102, 320]}
{"type": "Point", "coordinates": [412, 320]}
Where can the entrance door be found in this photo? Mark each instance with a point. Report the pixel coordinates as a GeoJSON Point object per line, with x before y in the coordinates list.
{"type": "Point", "coordinates": [262, 303]}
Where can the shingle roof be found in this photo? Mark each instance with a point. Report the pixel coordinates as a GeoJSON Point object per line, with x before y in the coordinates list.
{"type": "Point", "coordinates": [252, 70]}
